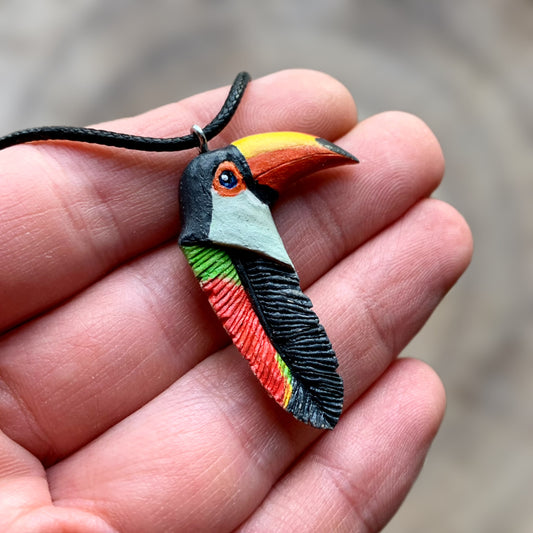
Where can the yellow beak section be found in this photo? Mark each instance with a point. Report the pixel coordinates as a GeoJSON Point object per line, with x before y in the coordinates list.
{"type": "Point", "coordinates": [278, 159]}
{"type": "Point", "coordinates": [255, 145]}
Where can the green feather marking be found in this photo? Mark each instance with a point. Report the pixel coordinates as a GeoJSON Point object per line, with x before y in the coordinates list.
{"type": "Point", "coordinates": [208, 263]}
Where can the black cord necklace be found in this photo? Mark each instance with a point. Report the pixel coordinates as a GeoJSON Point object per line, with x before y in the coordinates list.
{"type": "Point", "coordinates": [134, 142]}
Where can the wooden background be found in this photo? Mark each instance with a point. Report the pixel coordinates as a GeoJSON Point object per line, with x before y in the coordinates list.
{"type": "Point", "coordinates": [464, 66]}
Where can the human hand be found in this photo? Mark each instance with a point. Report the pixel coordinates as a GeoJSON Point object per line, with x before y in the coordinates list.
{"type": "Point", "coordinates": [122, 406]}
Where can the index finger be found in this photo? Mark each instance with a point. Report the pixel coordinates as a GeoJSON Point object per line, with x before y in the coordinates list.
{"type": "Point", "coordinates": [71, 213]}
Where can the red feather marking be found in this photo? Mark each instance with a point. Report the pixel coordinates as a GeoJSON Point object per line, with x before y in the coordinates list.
{"type": "Point", "coordinates": [232, 305]}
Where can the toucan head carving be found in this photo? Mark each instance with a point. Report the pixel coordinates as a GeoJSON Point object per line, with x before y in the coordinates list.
{"type": "Point", "coordinates": [226, 194]}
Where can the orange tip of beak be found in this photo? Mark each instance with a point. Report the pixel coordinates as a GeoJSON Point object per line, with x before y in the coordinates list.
{"type": "Point", "coordinates": [278, 159]}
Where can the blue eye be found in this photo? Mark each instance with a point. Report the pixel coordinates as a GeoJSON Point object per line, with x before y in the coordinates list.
{"type": "Point", "coordinates": [227, 179]}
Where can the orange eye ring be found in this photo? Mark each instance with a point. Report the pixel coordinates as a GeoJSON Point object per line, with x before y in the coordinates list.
{"type": "Point", "coordinates": [228, 180]}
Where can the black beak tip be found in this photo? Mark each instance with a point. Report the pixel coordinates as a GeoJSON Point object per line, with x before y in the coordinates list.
{"type": "Point", "coordinates": [337, 149]}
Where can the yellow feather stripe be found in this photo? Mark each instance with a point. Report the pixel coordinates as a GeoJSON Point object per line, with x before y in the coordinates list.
{"type": "Point", "coordinates": [284, 369]}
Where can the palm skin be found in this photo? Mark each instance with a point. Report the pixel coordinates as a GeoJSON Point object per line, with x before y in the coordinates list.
{"type": "Point", "coordinates": [122, 405]}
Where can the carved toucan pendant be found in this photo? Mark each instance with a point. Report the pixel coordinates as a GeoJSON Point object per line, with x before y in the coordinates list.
{"type": "Point", "coordinates": [231, 242]}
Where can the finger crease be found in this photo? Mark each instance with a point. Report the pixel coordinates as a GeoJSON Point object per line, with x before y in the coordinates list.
{"type": "Point", "coordinates": [373, 311]}
{"type": "Point", "coordinates": [330, 222]}
{"type": "Point", "coordinates": [353, 494]}
{"type": "Point", "coordinates": [79, 217]}
{"type": "Point", "coordinates": [256, 449]}
{"type": "Point", "coordinates": [45, 442]}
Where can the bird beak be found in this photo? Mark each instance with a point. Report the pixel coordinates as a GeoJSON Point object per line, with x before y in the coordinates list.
{"type": "Point", "coordinates": [278, 159]}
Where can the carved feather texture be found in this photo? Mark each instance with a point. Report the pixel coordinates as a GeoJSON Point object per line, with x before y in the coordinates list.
{"type": "Point", "coordinates": [270, 320]}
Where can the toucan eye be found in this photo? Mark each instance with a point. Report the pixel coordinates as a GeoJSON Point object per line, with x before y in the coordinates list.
{"type": "Point", "coordinates": [228, 179]}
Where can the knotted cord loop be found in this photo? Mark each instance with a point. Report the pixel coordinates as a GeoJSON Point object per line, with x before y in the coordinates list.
{"type": "Point", "coordinates": [135, 142]}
